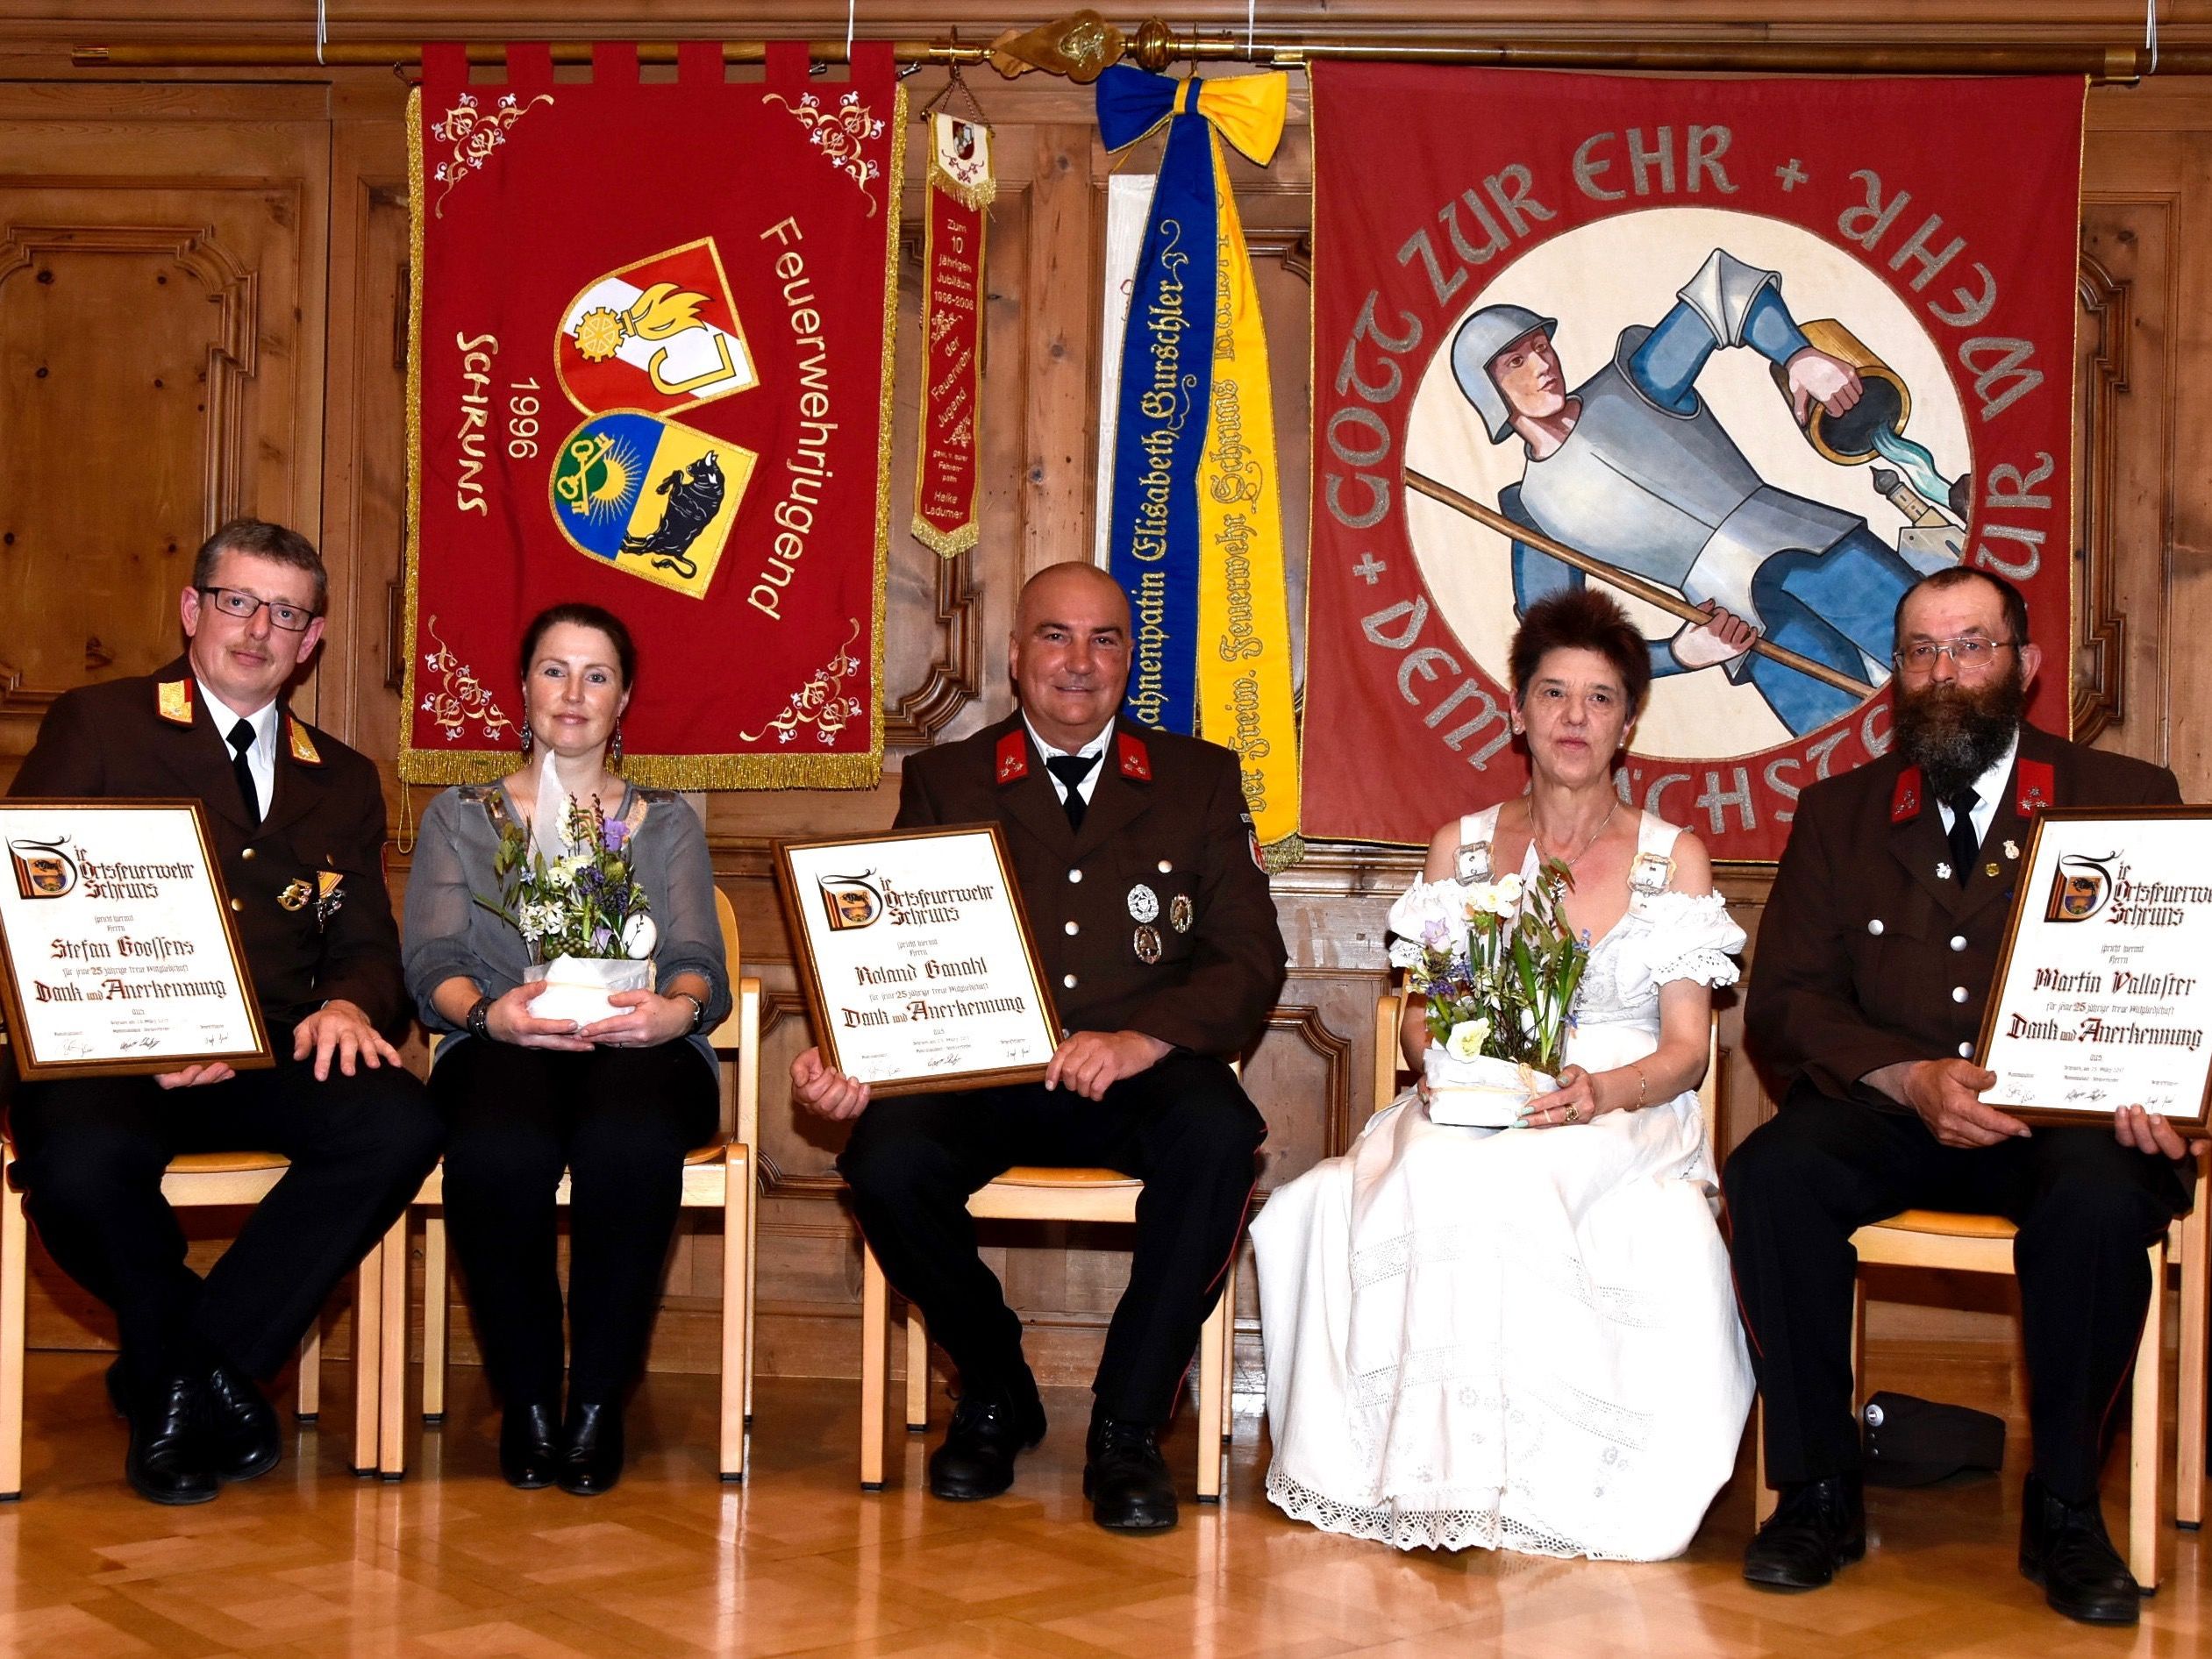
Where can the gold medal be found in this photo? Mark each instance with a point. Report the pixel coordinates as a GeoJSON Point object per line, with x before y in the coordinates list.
{"type": "Point", "coordinates": [296, 895]}
{"type": "Point", "coordinates": [1179, 913]}
{"type": "Point", "coordinates": [1147, 943]}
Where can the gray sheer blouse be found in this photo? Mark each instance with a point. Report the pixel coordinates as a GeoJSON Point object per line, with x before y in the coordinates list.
{"type": "Point", "coordinates": [448, 935]}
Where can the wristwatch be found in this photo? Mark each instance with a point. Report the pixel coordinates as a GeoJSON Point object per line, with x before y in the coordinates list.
{"type": "Point", "coordinates": [698, 1009]}
{"type": "Point", "coordinates": [478, 1019]}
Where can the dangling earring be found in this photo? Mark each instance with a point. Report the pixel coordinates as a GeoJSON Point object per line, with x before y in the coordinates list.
{"type": "Point", "coordinates": [525, 740]}
{"type": "Point", "coordinates": [613, 751]}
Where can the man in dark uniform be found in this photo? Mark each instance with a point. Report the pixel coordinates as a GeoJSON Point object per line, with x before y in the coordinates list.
{"type": "Point", "coordinates": [297, 820]}
{"type": "Point", "coordinates": [1143, 881]}
{"type": "Point", "coordinates": [1875, 957]}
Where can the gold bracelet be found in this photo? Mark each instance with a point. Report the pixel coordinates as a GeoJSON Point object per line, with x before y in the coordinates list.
{"type": "Point", "coordinates": [1642, 1085]}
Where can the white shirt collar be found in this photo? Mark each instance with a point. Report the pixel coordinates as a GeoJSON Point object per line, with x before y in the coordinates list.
{"type": "Point", "coordinates": [1989, 789]}
{"type": "Point", "coordinates": [225, 716]}
{"type": "Point", "coordinates": [1094, 750]}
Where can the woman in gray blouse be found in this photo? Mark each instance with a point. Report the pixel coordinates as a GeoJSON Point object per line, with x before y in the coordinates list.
{"type": "Point", "coordinates": [616, 1103]}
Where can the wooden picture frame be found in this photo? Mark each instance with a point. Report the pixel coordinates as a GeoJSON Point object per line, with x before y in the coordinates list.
{"type": "Point", "coordinates": [165, 919]}
{"type": "Point", "coordinates": [975, 947]}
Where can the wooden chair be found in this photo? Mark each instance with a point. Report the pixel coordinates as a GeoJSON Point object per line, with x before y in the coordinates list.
{"type": "Point", "coordinates": [1030, 1192]}
{"type": "Point", "coordinates": [196, 1180]}
{"type": "Point", "coordinates": [1968, 1243]}
{"type": "Point", "coordinates": [719, 1176]}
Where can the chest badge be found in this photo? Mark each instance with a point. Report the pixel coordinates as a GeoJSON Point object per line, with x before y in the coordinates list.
{"type": "Point", "coordinates": [1179, 913]}
{"type": "Point", "coordinates": [1943, 872]}
{"type": "Point", "coordinates": [1147, 945]}
{"type": "Point", "coordinates": [294, 895]}
{"type": "Point", "coordinates": [329, 895]}
{"type": "Point", "coordinates": [1143, 903]}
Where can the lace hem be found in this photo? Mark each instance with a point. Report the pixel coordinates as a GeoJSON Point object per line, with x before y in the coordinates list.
{"type": "Point", "coordinates": [1486, 1526]}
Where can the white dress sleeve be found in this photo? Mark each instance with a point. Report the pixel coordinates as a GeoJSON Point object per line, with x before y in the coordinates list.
{"type": "Point", "coordinates": [1690, 935]}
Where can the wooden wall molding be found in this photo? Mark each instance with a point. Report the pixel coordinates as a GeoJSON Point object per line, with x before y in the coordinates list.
{"type": "Point", "coordinates": [2101, 659]}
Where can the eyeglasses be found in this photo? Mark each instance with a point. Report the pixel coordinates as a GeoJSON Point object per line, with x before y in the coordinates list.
{"type": "Point", "coordinates": [236, 602]}
{"type": "Point", "coordinates": [1967, 652]}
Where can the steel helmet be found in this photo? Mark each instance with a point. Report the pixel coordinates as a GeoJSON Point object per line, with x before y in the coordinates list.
{"type": "Point", "coordinates": [1480, 339]}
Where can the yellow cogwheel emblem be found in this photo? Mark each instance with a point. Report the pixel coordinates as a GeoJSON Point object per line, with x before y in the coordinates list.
{"type": "Point", "coordinates": [599, 334]}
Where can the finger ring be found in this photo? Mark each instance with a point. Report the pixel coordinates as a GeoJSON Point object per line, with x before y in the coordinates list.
{"type": "Point", "coordinates": [1571, 1112]}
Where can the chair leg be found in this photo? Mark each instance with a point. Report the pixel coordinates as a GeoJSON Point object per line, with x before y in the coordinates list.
{"type": "Point", "coordinates": [1212, 1356]}
{"type": "Point", "coordinates": [310, 1384]}
{"type": "Point", "coordinates": [391, 1374]}
{"type": "Point", "coordinates": [752, 1280]}
{"type": "Point", "coordinates": [14, 1291]}
{"type": "Point", "coordinates": [2188, 1492]}
{"type": "Point", "coordinates": [737, 1311]}
{"type": "Point", "coordinates": [1764, 1497]}
{"type": "Point", "coordinates": [368, 1364]}
{"type": "Point", "coordinates": [917, 1372]}
{"type": "Point", "coordinates": [438, 1293]}
{"type": "Point", "coordinates": [875, 1364]}
{"type": "Point", "coordinates": [1228, 1358]}
{"type": "Point", "coordinates": [2145, 1433]}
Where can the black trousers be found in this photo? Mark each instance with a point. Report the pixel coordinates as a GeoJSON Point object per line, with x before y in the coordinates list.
{"type": "Point", "coordinates": [620, 1121]}
{"type": "Point", "coordinates": [93, 1152]}
{"type": "Point", "coordinates": [2087, 1207]}
{"type": "Point", "coordinates": [1184, 1127]}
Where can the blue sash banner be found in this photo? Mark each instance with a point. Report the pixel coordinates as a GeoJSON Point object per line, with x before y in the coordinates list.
{"type": "Point", "coordinates": [1166, 384]}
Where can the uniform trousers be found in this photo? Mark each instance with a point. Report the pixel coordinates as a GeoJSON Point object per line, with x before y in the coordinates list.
{"type": "Point", "coordinates": [1184, 1127]}
{"type": "Point", "coordinates": [619, 1121]}
{"type": "Point", "coordinates": [93, 1151]}
{"type": "Point", "coordinates": [2086, 1208]}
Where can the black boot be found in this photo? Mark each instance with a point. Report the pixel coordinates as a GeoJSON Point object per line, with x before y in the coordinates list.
{"type": "Point", "coordinates": [246, 1439]}
{"type": "Point", "coordinates": [529, 1446]}
{"type": "Point", "coordinates": [591, 1450]}
{"type": "Point", "coordinates": [991, 1426]}
{"type": "Point", "coordinates": [1125, 1478]}
{"type": "Point", "coordinates": [2065, 1548]}
{"type": "Point", "coordinates": [1818, 1527]}
{"type": "Point", "coordinates": [171, 1459]}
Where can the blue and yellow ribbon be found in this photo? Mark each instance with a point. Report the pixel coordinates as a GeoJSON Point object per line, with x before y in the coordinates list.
{"type": "Point", "coordinates": [1195, 532]}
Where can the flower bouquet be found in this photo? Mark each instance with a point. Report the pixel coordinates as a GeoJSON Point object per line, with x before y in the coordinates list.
{"type": "Point", "coordinates": [583, 915]}
{"type": "Point", "coordinates": [1498, 966]}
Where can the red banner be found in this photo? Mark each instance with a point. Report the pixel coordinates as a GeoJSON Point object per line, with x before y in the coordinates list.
{"type": "Point", "coordinates": [961, 188]}
{"type": "Point", "coordinates": [651, 370]}
{"type": "Point", "coordinates": [1564, 327]}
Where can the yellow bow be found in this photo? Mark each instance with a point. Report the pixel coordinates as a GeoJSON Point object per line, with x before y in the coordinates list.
{"type": "Point", "coordinates": [1247, 109]}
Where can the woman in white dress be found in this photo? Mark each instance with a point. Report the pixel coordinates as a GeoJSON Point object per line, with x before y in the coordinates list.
{"type": "Point", "coordinates": [1528, 1337]}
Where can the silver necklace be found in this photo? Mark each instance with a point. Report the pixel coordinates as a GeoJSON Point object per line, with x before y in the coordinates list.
{"type": "Point", "coordinates": [1587, 845]}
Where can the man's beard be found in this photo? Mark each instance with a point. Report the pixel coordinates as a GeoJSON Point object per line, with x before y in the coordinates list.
{"type": "Point", "coordinates": [1954, 733]}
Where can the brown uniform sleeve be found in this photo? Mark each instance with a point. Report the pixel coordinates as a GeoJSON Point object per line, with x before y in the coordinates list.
{"type": "Point", "coordinates": [359, 961]}
{"type": "Point", "coordinates": [1238, 966]}
{"type": "Point", "coordinates": [66, 759]}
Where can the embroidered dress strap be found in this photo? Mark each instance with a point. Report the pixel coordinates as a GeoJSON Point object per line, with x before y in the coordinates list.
{"type": "Point", "coordinates": [1477, 831]}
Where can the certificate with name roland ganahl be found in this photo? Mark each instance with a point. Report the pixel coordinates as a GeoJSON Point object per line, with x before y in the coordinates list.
{"type": "Point", "coordinates": [117, 953]}
{"type": "Point", "coordinates": [917, 960]}
{"type": "Point", "coordinates": [2103, 993]}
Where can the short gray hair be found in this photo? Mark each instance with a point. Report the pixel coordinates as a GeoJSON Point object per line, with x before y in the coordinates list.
{"type": "Point", "coordinates": [258, 539]}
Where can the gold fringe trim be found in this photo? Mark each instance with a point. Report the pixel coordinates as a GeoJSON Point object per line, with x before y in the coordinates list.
{"type": "Point", "coordinates": [415, 765]}
{"type": "Point", "coordinates": [947, 546]}
{"type": "Point", "coordinates": [977, 197]}
{"type": "Point", "coordinates": [672, 771]}
{"type": "Point", "coordinates": [1279, 856]}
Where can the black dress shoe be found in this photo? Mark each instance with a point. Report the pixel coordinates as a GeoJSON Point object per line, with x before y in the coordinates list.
{"type": "Point", "coordinates": [1126, 1479]}
{"type": "Point", "coordinates": [529, 1447]}
{"type": "Point", "coordinates": [171, 1459]}
{"type": "Point", "coordinates": [990, 1428]}
{"type": "Point", "coordinates": [2063, 1548]}
{"type": "Point", "coordinates": [590, 1449]}
{"type": "Point", "coordinates": [247, 1440]}
{"type": "Point", "coordinates": [1817, 1527]}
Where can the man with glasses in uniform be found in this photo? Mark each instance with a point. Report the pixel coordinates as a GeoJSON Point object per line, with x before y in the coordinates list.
{"type": "Point", "coordinates": [296, 820]}
{"type": "Point", "coordinates": [1875, 957]}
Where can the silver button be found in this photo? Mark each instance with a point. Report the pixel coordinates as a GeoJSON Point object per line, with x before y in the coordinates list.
{"type": "Point", "coordinates": [1073, 929]}
{"type": "Point", "coordinates": [1957, 993]}
{"type": "Point", "coordinates": [1068, 980]}
{"type": "Point", "coordinates": [1965, 1051]}
{"type": "Point", "coordinates": [1165, 868]}
{"type": "Point", "coordinates": [1075, 875]}
{"type": "Point", "coordinates": [247, 854]}
{"type": "Point", "coordinates": [1957, 941]}
{"type": "Point", "coordinates": [1874, 927]}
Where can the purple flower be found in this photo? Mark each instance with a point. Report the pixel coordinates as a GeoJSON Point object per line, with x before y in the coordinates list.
{"type": "Point", "coordinates": [616, 835]}
{"type": "Point", "coordinates": [602, 939]}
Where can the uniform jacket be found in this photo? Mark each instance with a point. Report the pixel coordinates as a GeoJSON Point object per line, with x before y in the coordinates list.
{"type": "Point", "coordinates": [307, 883]}
{"type": "Point", "coordinates": [1868, 955]}
{"type": "Point", "coordinates": [1164, 838]}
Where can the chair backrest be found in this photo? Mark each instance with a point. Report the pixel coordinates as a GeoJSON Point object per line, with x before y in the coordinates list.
{"type": "Point", "coordinates": [1390, 1010]}
{"type": "Point", "coordinates": [739, 1034]}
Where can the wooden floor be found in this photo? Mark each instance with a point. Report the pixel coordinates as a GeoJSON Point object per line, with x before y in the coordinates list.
{"type": "Point", "coordinates": [311, 1561]}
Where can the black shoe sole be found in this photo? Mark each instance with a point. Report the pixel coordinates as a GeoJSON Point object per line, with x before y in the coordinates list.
{"type": "Point", "coordinates": [261, 1464]}
{"type": "Point", "coordinates": [578, 1489]}
{"type": "Point", "coordinates": [170, 1499]}
{"type": "Point", "coordinates": [1153, 1523]}
{"type": "Point", "coordinates": [1766, 1577]}
{"type": "Point", "coordinates": [2118, 1614]}
{"type": "Point", "coordinates": [535, 1482]}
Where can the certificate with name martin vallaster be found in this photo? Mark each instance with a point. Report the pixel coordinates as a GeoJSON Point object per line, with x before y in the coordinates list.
{"type": "Point", "coordinates": [117, 951]}
{"type": "Point", "coordinates": [2103, 993]}
{"type": "Point", "coordinates": [916, 956]}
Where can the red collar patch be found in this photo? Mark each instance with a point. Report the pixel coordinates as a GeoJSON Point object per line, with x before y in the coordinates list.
{"type": "Point", "coordinates": [2035, 788]}
{"type": "Point", "coordinates": [1904, 800]}
{"type": "Point", "coordinates": [1136, 759]}
{"type": "Point", "coordinates": [1013, 759]}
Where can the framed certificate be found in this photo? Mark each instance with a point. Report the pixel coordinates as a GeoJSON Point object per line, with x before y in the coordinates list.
{"type": "Point", "coordinates": [2103, 992]}
{"type": "Point", "coordinates": [917, 959]}
{"type": "Point", "coordinates": [117, 951]}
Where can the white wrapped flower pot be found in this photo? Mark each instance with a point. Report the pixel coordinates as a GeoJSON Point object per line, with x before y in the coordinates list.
{"type": "Point", "coordinates": [1480, 1092]}
{"type": "Point", "coordinates": [577, 988]}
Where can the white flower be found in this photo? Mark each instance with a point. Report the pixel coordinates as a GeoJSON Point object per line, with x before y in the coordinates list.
{"type": "Point", "coordinates": [638, 936]}
{"type": "Point", "coordinates": [562, 871]}
{"type": "Point", "coordinates": [1408, 953]}
{"type": "Point", "coordinates": [1467, 1039]}
{"type": "Point", "coordinates": [1509, 891]}
{"type": "Point", "coordinates": [1431, 913]}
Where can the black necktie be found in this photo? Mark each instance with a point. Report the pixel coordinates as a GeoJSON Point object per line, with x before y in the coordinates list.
{"type": "Point", "coordinates": [1071, 770]}
{"type": "Point", "coordinates": [242, 740]}
{"type": "Point", "coordinates": [1964, 845]}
